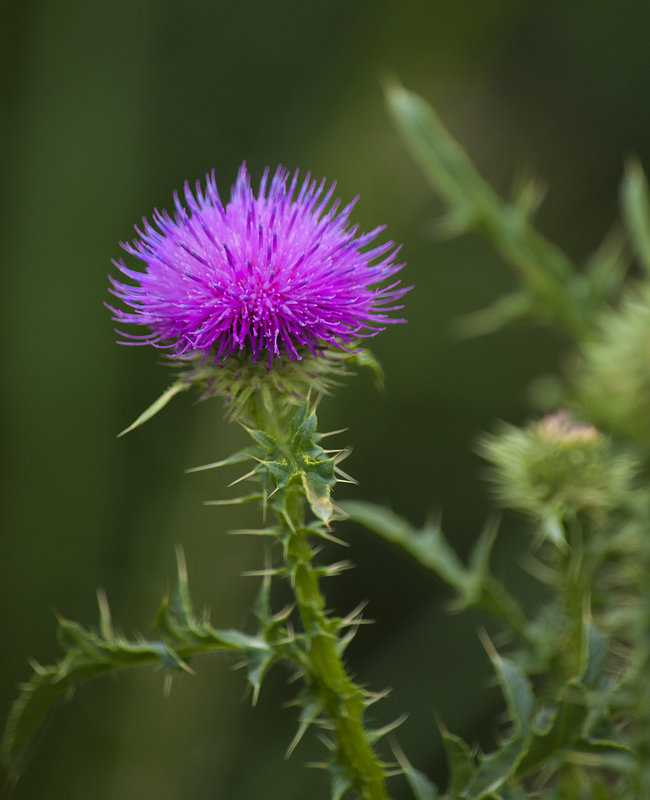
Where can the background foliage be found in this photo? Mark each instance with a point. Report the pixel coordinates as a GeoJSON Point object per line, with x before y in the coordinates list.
{"type": "Point", "coordinates": [107, 109]}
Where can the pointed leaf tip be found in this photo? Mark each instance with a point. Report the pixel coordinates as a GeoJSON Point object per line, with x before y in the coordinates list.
{"type": "Point", "coordinates": [421, 787]}
{"type": "Point", "coordinates": [156, 406]}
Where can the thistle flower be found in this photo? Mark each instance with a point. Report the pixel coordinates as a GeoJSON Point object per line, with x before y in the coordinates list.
{"type": "Point", "coordinates": [274, 274]}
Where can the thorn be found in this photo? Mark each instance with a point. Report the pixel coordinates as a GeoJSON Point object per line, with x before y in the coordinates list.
{"type": "Point", "coordinates": [326, 741]}
{"type": "Point", "coordinates": [354, 618]}
{"type": "Point", "coordinates": [375, 697]}
{"type": "Point", "coordinates": [339, 513]}
{"type": "Point", "coordinates": [490, 649]}
{"type": "Point", "coordinates": [243, 477]}
{"type": "Point", "coordinates": [343, 454]}
{"type": "Point", "coordinates": [213, 465]}
{"type": "Point", "coordinates": [234, 501]}
{"type": "Point", "coordinates": [333, 433]}
{"type": "Point", "coordinates": [330, 537]}
{"type": "Point", "coordinates": [38, 668]}
{"type": "Point", "coordinates": [256, 694]}
{"type": "Point", "coordinates": [335, 569]}
{"type": "Point", "coordinates": [257, 573]}
{"type": "Point", "coordinates": [284, 613]}
{"type": "Point", "coordinates": [246, 427]}
{"type": "Point", "coordinates": [181, 564]}
{"type": "Point", "coordinates": [252, 532]}
{"type": "Point", "coordinates": [391, 726]}
{"type": "Point", "coordinates": [288, 520]}
{"type": "Point", "coordinates": [345, 477]}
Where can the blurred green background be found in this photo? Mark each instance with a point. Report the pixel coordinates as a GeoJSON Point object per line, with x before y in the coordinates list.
{"type": "Point", "coordinates": [106, 108]}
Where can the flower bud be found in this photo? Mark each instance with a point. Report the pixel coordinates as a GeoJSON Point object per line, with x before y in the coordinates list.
{"type": "Point", "coordinates": [557, 468]}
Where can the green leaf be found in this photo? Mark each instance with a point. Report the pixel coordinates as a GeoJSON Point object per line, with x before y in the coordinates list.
{"type": "Point", "coordinates": [460, 759]}
{"type": "Point", "coordinates": [474, 586]}
{"type": "Point", "coordinates": [595, 655]}
{"type": "Point", "coordinates": [157, 405]}
{"type": "Point", "coordinates": [544, 271]}
{"type": "Point", "coordinates": [427, 546]}
{"type": "Point", "coordinates": [90, 654]}
{"type": "Point", "coordinates": [497, 768]}
{"type": "Point", "coordinates": [563, 727]}
{"type": "Point", "coordinates": [635, 200]}
{"type": "Point", "coordinates": [519, 305]}
{"type": "Point", "coordinates": [303, 427]}
{"type": "Point", "coordinates": [421, 787]}
{"type": "Point", "coordinates": [513, 793]}
{"type": "Point", "coordinates": [516, 690]}
{"type": "Point", "coordinates": [317, 491]}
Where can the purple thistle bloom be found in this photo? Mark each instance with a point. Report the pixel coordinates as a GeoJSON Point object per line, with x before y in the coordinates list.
{"type": "Point", "coordinates": [274, 272]}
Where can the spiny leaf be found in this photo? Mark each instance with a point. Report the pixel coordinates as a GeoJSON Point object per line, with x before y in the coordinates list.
{"type": "Point", "coordinates": [90, 654]}
{"type": "Point", "coordinates": [317, 491]}
{"type": "Point", "coordinates": [460, 759]}
{"type": "Point", "coordinates": [516, 689]}
{"type": "Point", "coordinates": [543, 270]}
{"type": "Point", "coordinates": [427, 546]}
{"type": "Point", "coordinates": [595, 655]}
{"type": "Point", "coordinates": [563, 726]}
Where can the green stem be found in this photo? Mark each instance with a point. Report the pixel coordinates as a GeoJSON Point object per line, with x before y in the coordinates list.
{"type": "Point", "coordinates": [343, 702]}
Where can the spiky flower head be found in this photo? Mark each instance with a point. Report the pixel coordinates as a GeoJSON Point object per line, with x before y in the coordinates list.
{"type": "Point", "coordinates": [277, 274]}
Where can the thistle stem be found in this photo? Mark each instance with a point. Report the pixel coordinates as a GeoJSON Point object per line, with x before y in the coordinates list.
{"type": "Point", "coordinates": [342, 701]}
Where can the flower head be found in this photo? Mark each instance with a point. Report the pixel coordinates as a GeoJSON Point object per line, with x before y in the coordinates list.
{"type": "Point", "coordinates": [279, 273]}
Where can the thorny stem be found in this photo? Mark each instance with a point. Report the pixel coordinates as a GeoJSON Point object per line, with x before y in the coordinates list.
{"type": "Point", "coordinates": [342, 700]}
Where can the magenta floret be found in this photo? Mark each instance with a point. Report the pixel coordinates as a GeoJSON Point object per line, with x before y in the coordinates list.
{"type": "Point", "coordinates": [272, 273]}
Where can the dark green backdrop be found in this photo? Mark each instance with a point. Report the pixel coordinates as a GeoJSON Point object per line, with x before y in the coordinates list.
{"type": "Point", "coordinates": [106, 108]}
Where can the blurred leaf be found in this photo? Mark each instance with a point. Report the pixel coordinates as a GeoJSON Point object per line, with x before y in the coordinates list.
{"type": "Point", "coordinates": [460, 761]}
{"type": "Point", "coordinates": [606, 268]}
{"type": "Point", "coordinates": [364, 358]}
{"type": "Point", "coordinates": [595, 655]}
{"type": "Point", "coordinates": [635, 200]}
{"type": "Point", "coordinates": [544, 271]}
{"type": "Point", "coordinates": [510, 308]}
{"type": "Point", "coordinates": [428, 546]}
